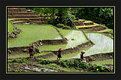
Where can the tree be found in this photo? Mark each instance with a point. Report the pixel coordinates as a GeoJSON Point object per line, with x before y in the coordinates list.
{"type": "Point", "coordinates": [65, 17]}
{"type": "Point", "coordinates": [99, 15]}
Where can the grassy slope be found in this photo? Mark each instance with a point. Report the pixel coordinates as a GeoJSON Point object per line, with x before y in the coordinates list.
{"type": "Point", "coordinates": [108, 61]}
{"type": "Point", "coordinates": [32, 33]}
{"type": "Point", "coordinates": [10, 26]}
{"type": "Point", "coordinates": [21, 55]}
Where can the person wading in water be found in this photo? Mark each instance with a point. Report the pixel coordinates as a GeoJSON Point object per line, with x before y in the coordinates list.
{"type": "Point", "coordinates": [59, 54]}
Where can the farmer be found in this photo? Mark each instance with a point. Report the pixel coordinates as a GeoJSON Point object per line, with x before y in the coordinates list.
{"type": "Point", "coordinates": [59, 54]}
{"type": "Point", "coordinates": [31, 52]}
{"type": "Point", "coordinates": [82, 55]}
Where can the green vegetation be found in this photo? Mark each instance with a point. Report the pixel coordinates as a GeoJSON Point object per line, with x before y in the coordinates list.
{"type": "Point", "coordinates": [78, 64]}
{"type": "Point", "coordinates": [99, 15]}
{"type": "Point", "coordinates": [32, 33]}
{"type": "Point", "coordinates": [69, 34]}
{"type": "Point", "coordinates": [24, 55]}
{"type": "Point", "coordinates": [19, 61]}
{"type": "Point", "coordinates": [65, 31]}
{"type": "Point", "coordinates": [111, 32]}
{"type": "Point", "coordinates": [69, 55]}
{"type": "Point", "coordinates": [106, 30]}
{"type": "Point", "coordinates": [10, 27]}
{"type": "Point", "coordinates": [52, 47]}
{"type": "Point", "coordinates": [107, 61]}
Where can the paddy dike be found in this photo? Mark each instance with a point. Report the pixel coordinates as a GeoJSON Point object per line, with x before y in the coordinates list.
{"type": "Point", "coordinates": [91, 26]}
{"type": "Point", "coordinates": [53, 53]}
{"type": "Point", "coordinates": [94, 28]}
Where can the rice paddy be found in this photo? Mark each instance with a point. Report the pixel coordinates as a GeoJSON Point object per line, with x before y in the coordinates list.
{"type": "Point", "coordinates": [73, 40]}
{"type": "Point", "coordinates": [31, 33]}
{"type": "Point", "coordinates": [103, 44]}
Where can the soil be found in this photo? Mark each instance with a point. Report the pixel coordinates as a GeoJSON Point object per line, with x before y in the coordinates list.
{"type": "Point", "coordinates": [95, 28]}
{"type": "Point", "coordinates": [15, 33]}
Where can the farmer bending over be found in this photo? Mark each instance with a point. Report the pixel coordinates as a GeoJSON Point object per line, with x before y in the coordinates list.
{"type": "Point", "coordinates": [59, 54]}
{"type": "Point", "coordinates": [82, 55]}
{"type": "Point", "coordinates": [31, 52]}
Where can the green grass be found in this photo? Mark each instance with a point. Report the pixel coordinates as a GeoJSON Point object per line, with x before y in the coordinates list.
{"type": "Point", "coordinates": [64, 31]}
{"type": "Point", "coordinates": [10, 26]}
{"type": "Point", "coordinates": [86, 21]}
{"type": "Point", "coordinates": [52, 47]}
{"type": "Point", "coordinates": [69, 34]}
{"type": "Point", "coordinates": [106, 30]}
{"type": "Point", "coordinates": [70, 55]}
{"type": "Point", "coordinates": [17, 21]}
{"type": "Point", "coordinates": [21, 55]}
{"type": "Point", "coordinates": [108, 61]}
{"type": "Point", "coordinates": [31, 33]}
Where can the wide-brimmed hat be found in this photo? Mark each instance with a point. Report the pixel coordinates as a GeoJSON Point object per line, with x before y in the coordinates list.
{"type": "Point", "coordinates": [83, 51]}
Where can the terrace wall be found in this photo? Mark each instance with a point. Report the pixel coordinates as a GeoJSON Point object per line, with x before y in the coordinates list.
{"type": "Point", "coordinates": [53, 53]}
{"type": "Point", "coordinates": [69, 50]}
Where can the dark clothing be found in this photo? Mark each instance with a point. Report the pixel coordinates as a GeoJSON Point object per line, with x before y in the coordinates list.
{"type": "Point", "coordinates": [31, 55]}
{"type": "Point", "coordinates": [59, 55]}
{"type": "Point", "coordinates": [82, 55]}
{"type": "Point", "coordinates": [30, 50]}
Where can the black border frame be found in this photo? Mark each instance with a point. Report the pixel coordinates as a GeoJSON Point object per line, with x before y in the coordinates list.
{"type": "Point", "coordinates": [4, 3]}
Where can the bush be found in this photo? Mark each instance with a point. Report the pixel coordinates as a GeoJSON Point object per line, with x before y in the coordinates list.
{"type": "Point", "coordinates": [99, 15]}
{"type": "Point", "coordinates": [77, 63]}
{"type": "Point", "coordinates": [101, 69]}
{"type": "Point", "coordinates": [50, 21]}
{"type": "Point", "coordinates": [23, 60]}
{"type": "Point", "coordinates": [45, 62]}
{"type": "Point", "coordinates": [73, 63]}
{"type": "Point", "coordinates": [83, 65]}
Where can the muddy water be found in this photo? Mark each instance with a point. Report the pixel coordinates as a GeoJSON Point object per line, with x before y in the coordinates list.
{"type": "Point", "coordinates": [103, 44]}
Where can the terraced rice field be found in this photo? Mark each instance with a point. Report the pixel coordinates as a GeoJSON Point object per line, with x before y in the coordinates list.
{"type": "Point", "coordinates": [103, 44]}
{"type": "Point", "coordinates": [73, 40]}
{"type": "Point", "coordinates": [31, 33]}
